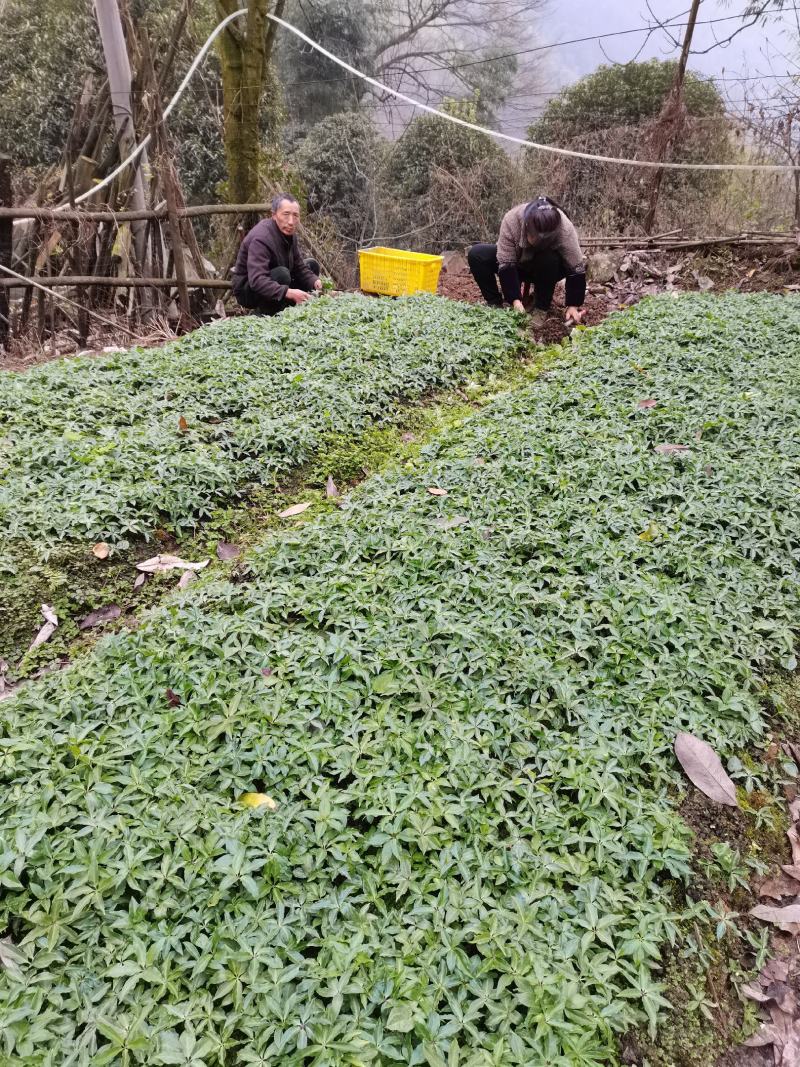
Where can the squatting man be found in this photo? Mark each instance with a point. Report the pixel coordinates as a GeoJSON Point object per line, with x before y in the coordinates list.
{"type": "Point", "coordinates": [537, 247]}
{"type": "Point", "coordinates": [270, 272]}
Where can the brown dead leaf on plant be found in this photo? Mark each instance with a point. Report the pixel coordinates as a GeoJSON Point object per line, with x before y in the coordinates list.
{"type": "Point", "coordinates": [227, 551]}
{"type": "Point", "coordinates": [295, 509]}
{"type": "Point", "coordinates": [49, 628]}
{"type": "Point", "coordinates": [100, 616]}
{"type": "Point", "coordinates": [672, 450]}
{"type": "Point", "coordinates": [704, 769]}
{"type": "Point", "coordinates": [158, 564]}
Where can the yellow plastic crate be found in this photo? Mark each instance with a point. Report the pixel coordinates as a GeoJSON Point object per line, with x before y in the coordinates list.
{"type": "Point", "coordinates": [392, 272]}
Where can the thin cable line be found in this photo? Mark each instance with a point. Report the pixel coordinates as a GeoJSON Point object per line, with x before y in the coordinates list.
{"type": "Point", "coordinates": [521, 141]}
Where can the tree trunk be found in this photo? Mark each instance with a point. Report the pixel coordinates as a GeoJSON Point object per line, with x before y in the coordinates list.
{"type": "Point", "coordinates": [245, 50]}
{"type": "Point", "coordinates": [671, 118]}
{"type": "Point", "coordinates": [109, 23]}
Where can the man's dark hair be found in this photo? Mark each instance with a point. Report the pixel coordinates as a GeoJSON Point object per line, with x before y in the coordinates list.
{"type": "Point", "coordinates": [542, 216]}
{"type": "Point", "coordinates": [279, 198]}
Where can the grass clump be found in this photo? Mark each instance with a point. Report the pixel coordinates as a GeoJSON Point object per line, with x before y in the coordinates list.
{"type": "Point", "coordinates": [462, 709]}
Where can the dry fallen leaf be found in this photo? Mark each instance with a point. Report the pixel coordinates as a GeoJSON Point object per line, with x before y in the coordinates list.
{"type": "Point", "coordinates": [434, 491]}
{"type": "Point", "coordinates": [100, 616]}
{"type": "Point", "coordinates": [672, 450]}
{"type": "Point", "coordinates": [648, 403]}
{"type": "Point", "coordinates": [794, 809]}
{"type": "Point", "coordinates": [101, 550]}
{"type": "Point", "coordinates": [49, 628]}
{"type": "Point", "coordinates": [794, 839]}
{"type": "Point", "coordinates": [783, 885]}
{"type": "Point", "coordinates": [781, 993]}
{"type": "Point", "coordinates": [755, 992]}
{"type": "Point", "coordinates": [790, 1053]}
{"type": "Point", "coordinates": [774, 971]}
{"type": "Point", "coordinates": [186, 579]}
{"type": "Point", "coordinates": [168, 563]}
{"type": "Point", "coordinates": [258, 800]}
{"type": "Point", "coordinates": [703, 767]}
{"type": "Point", "coordinates": [787, 918]}
{"type": "Point", "coordinates": [767, 1035]}
{"type": "Point", "coordinates": [227, 551]}
{"type": "Point", "coordinates": [793, 870]}
{"type": "Point", "coordinates": [450, 524]}
{"type": "Point", "coordinates": [407, 438]}
{"type": "Point", "coordinates": [140, 580]}
{"type": "Point", "coordinates": [295, 509]}
{"type": "Point", "coordinates": [330, 487]}
{"type": "Point", "coordinates": [650, 533]}
{"type": "Point", "coordinates": [183, 425]}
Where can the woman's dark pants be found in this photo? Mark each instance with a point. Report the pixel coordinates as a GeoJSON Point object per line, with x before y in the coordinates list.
{"type": "Point", "coordinates": [543, 270]}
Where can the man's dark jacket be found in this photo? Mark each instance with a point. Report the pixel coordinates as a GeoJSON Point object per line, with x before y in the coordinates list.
{"type": "Point", "coordinates": [263, 249]}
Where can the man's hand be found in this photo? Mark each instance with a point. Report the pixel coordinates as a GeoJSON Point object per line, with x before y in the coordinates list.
{"type": "Point", "coordinates": [297, 296]}
{"type": "Point", "coordinates": [573, 316]}
{"type": "Point", "coordinates": [518, 306]}
{"type": "Point", "coordinates": [318, 285]}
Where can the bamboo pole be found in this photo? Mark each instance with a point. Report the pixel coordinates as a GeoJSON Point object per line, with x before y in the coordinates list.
{"type": "Point", "coordinates": [63, 280]}
{"type": "Point", "coordinates": [169, 184]}
{"type": "Point", "coordinates": [6, 235]}
{"type": "Point", "coordinates": [33, 211]}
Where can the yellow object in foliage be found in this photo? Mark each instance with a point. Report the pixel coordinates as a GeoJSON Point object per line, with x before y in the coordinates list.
{"type": "Point", "coordinates": [258, 800]}
{"type": "Point", "coordinates": [393, 272]}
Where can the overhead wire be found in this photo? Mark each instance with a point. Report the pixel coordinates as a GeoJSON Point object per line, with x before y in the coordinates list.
{"type": "Point", "coordinates": [519, 141]}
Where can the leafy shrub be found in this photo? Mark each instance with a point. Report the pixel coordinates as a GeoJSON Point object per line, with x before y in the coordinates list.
{"type": "Point", "coordinates": [462, 708]}
{"type": "Point", "coordinates": [629, 94]}
{"type": "Point", "coordinates": [612, 112]}
{"type": "Point", "coordinates": [449, 183]}
{"type": "Point", "coordinates": [341, 163]}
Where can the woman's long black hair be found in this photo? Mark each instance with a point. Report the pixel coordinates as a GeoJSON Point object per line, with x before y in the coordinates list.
{"type": "Point", "coordinates": [542, 216]}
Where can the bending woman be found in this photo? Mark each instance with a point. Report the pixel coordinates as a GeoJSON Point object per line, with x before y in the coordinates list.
{"type": "Point", "coordinates": [537, 246]}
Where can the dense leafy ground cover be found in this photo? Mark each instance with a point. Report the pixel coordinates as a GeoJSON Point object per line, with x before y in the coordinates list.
{"type": "Point", "coordinates": [110, 449]}
{"type": "Point", "coordinates": [462, 708]}
{"type": "Point", "coordinates": [107, 449]}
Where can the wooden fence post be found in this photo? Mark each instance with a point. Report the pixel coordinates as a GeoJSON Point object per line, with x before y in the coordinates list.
{"type": "Point", "coordinates": [6, 238]}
